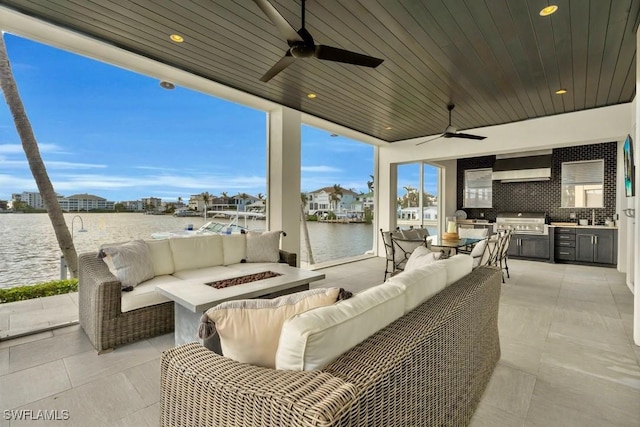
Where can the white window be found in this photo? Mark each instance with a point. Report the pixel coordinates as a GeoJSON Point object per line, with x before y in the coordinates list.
{"type": "Point", "coordinates": [478, 188]}
{"type": "Point", "coordinates": [582, 184]}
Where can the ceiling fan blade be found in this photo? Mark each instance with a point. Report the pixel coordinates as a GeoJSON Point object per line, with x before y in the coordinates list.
{"type": "Point", "coordinates": [283, 63]}
{"type": "Point", "coordinates": [463, 136]}
{"type": "Point", "coordinates": [432, 139]}
{"type": "Point", "coordinates": [278, 20]}
{"type": "Point", "coordinates": [335, 54]}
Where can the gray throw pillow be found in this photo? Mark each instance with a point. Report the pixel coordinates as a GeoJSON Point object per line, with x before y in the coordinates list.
{"type": "Point", "coordinates": [263, 247]}
{"type": "Point", "coordinates": [130, 262]}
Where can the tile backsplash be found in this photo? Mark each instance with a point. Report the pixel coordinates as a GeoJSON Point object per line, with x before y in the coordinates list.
{"type": "Point", "coordinates": [544, 196]}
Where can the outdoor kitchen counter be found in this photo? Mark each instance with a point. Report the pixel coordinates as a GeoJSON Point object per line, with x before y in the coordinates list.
{"type": "Point", "coordinates": [607, 227]}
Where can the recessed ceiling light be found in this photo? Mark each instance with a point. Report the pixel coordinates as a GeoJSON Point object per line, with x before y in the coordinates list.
{"type": "Point", "coordinates": [311, 95]}
{"type": "Point", "coordinates": [549, 10]}
{"type": "Point", "coordinates": [176, 38]}
{"type": "Point", "coordinates": [561, 91]}
{"type": "Point", "coordinates": [388, 128]}
{"type": "Point", "coordinates": [167, 85]}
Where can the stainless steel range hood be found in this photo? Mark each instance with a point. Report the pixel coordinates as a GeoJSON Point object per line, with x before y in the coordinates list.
{"type": "Point", "coordinates": [523, 167]}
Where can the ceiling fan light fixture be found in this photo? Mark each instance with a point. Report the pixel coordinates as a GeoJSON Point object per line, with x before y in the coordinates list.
{"type": "Point", "coordinates": [176, 38]}
{"type": "Point", "coordinates": [549, 10]}
{"type": "Point", "coordinates": [561, 91]}
{"type": "Point", "coordinates": [167, 85]}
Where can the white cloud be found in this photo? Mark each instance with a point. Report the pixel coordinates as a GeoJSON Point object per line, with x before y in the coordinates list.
{"type": "Point", "coordinates": [17, 148]}
{"type": "Point", "coordinates": [49, 164]}
{"type": "Point", "coordinates": [321, 169]}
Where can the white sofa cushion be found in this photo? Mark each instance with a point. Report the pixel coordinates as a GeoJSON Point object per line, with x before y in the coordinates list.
{"type": "Point", "coordinates": [130, 262]}
{"type": "Point", "coordinates": [421, 283]}
{"type": "Point", "coordinates": [206, 274]}
{"type": "Point", "coordinates": [421, 256]}
{"type": "Point", "coordinates": [458, 266]}
{"type": "Point", "coordinates": [161, 256]}
{"type": "Point", "coordinates": [145, 294]}
{"type": "Point", "coordinates": [253, 266]}
{"type": "Point", "coordinates": [249, 329]}
{"type": "Point", "coordinates": [313, 339]}
{"type": "Point", "coordinates": [234, 247]}
{"type": "Point", "coordinates": [197, 252]}
{"type": "Point", "coordinates": [263, 247]}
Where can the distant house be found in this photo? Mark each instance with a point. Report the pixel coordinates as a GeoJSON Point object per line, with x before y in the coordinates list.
{"type": "Point", "coordinates": [242, 200]}
{"type": "Point", "coordinates": [413, 213]}
{"type": "Point", "coordinates": [320, 200]}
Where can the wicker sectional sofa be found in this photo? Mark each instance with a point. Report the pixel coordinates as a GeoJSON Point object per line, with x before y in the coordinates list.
{"type": "Point", "coordinates": [111, 317]}
{"type": "Point", "coordinates": [427, 368]}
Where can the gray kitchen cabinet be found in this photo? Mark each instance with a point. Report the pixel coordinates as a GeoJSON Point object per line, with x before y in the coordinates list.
{"type": "Point", "coordinates": [529, 246]}
{"type": "Point", "coordinates": [565, 243]}
{"type": "Point", "coordinates": [596, 245]}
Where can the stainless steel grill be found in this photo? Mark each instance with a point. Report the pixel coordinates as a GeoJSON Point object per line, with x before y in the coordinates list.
{"type": "Point", "coordinates": [523, 222]}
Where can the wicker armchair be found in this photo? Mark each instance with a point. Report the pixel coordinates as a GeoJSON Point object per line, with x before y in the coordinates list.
{"type": "Point", "coordinates": [101, 317]}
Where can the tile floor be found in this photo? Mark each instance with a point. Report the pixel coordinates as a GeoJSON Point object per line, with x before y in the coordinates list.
{"type": "Point", "coordinates": [567, 356]}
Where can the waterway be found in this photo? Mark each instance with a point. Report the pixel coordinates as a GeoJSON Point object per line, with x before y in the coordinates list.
{"type": "Point", "coordinates": [29, 251]}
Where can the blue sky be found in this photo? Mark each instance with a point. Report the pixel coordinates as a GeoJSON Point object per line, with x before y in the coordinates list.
{"type": "Point", "coordinates": [107, 131]}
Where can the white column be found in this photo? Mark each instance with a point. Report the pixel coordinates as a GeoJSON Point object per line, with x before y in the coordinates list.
{"type": "Point", "coordinates": [634, 229]}
{"type": "Point", "coordinates": [283, 176]}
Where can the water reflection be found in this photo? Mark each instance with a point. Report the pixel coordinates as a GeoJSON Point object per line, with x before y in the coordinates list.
{"type": "Point", "coordinates": [30, 252]}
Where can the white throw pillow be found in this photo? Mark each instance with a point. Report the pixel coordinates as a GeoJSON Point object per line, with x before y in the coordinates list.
{"type": "Point", "coordinates": [130, 262]}
{"type": "Point", "coordinates": [249, 330]}
{"type": "Point", "coordinates": [420, 257]}
{"type": "Point", "coordinates": [313, 339]}
{"type": "Point", "coordinates": [263, 247]}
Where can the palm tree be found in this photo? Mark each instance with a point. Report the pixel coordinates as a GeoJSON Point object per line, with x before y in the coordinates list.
{"type": "Point", "coordinates": [225, 197]}
{"type": "Point", "coordinates": [409, 189]}
{"type": "Point", "coordinates": [31, 150]}
{"type": "Point", "coordinates": [335, 195]}
{"type": "Point", "coordinates": [205, 198]}
{"type": "Point", "coordinates": [179, 200]}
{"type": "Point", "coordinates": [305, 229]}
{"type": "Point", "coordinates": [370, 184]}
{"type": "Point", "coordinates": [244, 197]}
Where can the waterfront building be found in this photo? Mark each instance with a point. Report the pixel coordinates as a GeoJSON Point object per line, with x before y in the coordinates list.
{"type": "Point", "coordinates": [31, 198]}
{"type": "Point", "coordinates": [152, 203]}
{"type": "Point", "coordinates": [133, 205]}
{"type": "Point", "coordinates": [84, 202]}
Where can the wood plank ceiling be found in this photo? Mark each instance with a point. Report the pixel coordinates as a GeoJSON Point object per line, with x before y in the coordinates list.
{"type": "Point", "coordinates": [497, 60]}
